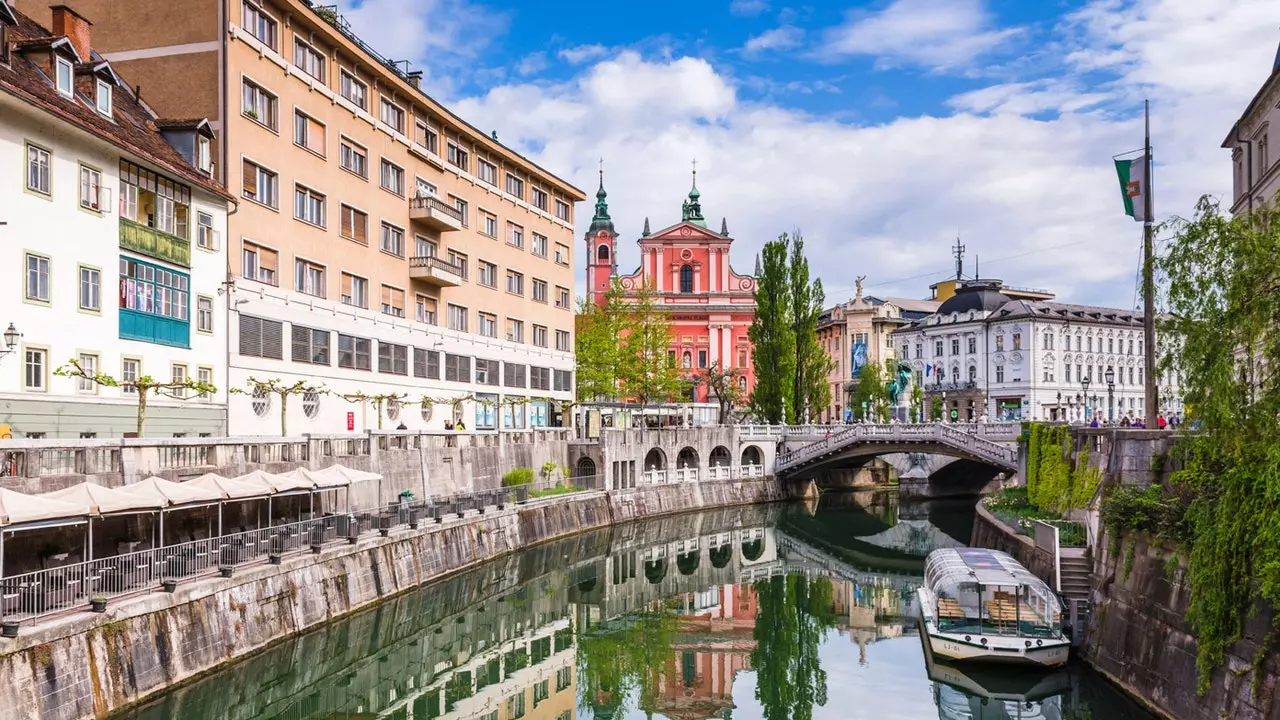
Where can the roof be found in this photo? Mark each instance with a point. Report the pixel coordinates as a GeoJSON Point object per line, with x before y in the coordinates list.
{"type": "Point", "coordinates": [911, 304]}
{"type": "Point", "coordinates": [1067, 311]}
{"type": "Point", "coordinates": [19, 509]}
{"type": "Point", "coordinates": [100, 500]}
{"type": "Point", "coordinates": [947, 569]}
{"type": "Point", "coordinates": [985, 297]}
{"type": "Point", "coordinates": [171, 493]}
{"type": "Point", "coordinates": [131, 128]}
{"type": "Point", "coordinates": [1231, 138]}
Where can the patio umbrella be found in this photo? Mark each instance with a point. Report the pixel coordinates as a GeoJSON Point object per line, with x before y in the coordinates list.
{"type": "Point", "coordinates": [103, 500]}
{"type": "Point", "coordinates": [18, 510]}
{"type": "Point", "coordinates": [280, 485]}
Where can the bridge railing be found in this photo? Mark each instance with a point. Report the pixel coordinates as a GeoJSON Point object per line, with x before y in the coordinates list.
{"type": "Point", "coordinates": [967, 437]}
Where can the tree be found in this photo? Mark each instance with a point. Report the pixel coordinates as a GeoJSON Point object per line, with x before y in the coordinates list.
{"type": "Point", "coordinates": [597, 345]}
{"type": "Point", "coordinates": [377, 401]}
{"type": "Point", "coordinates": [142, 387]}
{"type": "Point", "coordinates": [1222, 298]}
{"type": "Point", "coordinates": [794, 615]}
{"type": "Point", "coordinates": [772, 334]}
{"type": "Point", "coordinates": [723, 384]}
{"type": "Point", "coordinates": [870, 395]}
{"type": "Point", "coordinates": [649, 374]}
{"type": "Point", "coordinates": [277, 387]}
{"type": "Point", "coordinates": [812, 364]}
{"type": "Point", "coordinates": [917, 402]}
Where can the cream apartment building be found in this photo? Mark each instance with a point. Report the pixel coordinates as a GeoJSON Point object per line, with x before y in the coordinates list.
{"type": "Point", "coordinates": [381, 247]}
{"type": "Point", "coordinates": [1256, 179]}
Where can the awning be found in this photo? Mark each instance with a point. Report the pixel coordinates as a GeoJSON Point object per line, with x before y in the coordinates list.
{"type": "Point", "coordinates": [19, 509]}
{"type": "Point", "coordinates": [318, 480]}
{"type": "Point", "coordinates": [351, 475]}
{"type": "Point", "coordinates": [230, 489]}
{"type": "Point", "coordinates": [102, 500]}
{"type": "Point", "coordinates": [171, 493]}
{"type": "Point", "coordinates": [277, 483]}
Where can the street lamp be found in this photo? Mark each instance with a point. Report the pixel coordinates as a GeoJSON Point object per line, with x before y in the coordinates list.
{"type": "Point", "coordinates": [11, 337]}
{"type": "Point", "coordinates": [1084, 385]}
{"type": "Point", "coordinates": [1110, 376]}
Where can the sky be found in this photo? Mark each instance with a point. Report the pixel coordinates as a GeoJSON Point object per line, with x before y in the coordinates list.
{"type": "Point", "coordinates": [880, 130]}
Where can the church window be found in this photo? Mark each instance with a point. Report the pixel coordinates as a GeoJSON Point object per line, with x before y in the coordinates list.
{"type": "Point", "coordinates": [603, 252]}
{"type": "Point", "coordinates": [686, 279]}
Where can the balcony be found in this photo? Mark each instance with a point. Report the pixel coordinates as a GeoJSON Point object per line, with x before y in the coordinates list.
{"type": "Point", "coordinates": [154, 243]}
{"type": "Point", "coordinates": [434, 271]}
{"type": "Point", "coordinates": [435, 214]}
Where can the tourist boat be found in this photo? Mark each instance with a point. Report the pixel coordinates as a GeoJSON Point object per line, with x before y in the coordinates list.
{"type": "Point", "coordinates": [981, 605]}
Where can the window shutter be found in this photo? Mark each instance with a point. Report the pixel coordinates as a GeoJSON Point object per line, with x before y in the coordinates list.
{"type": "Point", "coordinates": [346, 222]}
{"type": "Point", "coordinates": [301, 344]}
{"type": "Point", "coordinates": [268, 260]}
{"type": "Point", "coordinates": [250, 335]}
{"type": "Point", "coordinates": [250, 178]}
{"type": "Point", "coordinates": [272, 339]}
{"type": "Point", "coordinates": [361, 225]}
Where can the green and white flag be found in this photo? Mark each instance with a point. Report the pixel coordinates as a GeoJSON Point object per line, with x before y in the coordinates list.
{"type": "Point", "coordinates": [1133, 178]}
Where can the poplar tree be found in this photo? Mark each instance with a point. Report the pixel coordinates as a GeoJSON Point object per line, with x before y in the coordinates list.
{"type": "Point", "coordinates": [812, 364]}
{"type": "Point", "coordinates": [773, 336]}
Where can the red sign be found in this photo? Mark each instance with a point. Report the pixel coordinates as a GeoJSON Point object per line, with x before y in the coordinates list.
{"type": "Point", "coordinates": [351, 421]}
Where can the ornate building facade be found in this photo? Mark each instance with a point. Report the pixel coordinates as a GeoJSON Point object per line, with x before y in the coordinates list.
{"type": "Point", "coordinates": [687, 265]}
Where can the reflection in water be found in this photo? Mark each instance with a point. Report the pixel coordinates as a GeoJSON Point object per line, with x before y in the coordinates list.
{"type": "Point", "coordinates": [764, 613]}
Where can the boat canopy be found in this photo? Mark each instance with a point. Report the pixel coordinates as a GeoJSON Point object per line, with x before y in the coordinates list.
{"type": "Point", "coordinates": [952, 571]}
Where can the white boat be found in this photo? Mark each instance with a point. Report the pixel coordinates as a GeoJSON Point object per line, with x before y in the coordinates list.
{"type": "Point", "coordinates": [982, 605]}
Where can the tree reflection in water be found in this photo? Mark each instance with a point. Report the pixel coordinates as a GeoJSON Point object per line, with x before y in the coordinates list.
{"type": "Point", "coordinates": [623, 659]}
{"type": "Point", "coordinates": [794, 617]}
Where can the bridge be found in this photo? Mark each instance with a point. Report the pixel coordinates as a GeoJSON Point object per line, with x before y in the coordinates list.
{"type": "Point", "coordinates": [972, 442]}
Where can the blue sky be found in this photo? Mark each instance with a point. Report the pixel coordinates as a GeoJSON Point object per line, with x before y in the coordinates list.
{"type": "Point", "coordinates": [881, 130]}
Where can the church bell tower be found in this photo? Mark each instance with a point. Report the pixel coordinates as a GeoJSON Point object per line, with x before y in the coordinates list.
{"type": "Point", "coordinates": [602, 246]}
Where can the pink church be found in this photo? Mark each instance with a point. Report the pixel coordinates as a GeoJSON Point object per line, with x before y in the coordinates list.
{"type": "Point", "coordinates": [688, 265]}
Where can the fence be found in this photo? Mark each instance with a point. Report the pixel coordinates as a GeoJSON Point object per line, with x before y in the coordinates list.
{"type": "Point", "coordinates": [694, 474]}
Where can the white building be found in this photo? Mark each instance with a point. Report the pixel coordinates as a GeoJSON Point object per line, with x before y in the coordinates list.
{"type": "Point", "coordinates": [108, 238]}
{"type": "Point", "coordinates": [1256, 179]}
{"type": "Point", "coordinates": [985, 354]}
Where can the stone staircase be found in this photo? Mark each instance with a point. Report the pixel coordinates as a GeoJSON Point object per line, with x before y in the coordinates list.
{"type": "Point", "coordinates": [1075, 574]}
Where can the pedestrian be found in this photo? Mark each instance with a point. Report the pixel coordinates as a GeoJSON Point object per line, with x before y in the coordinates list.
{"type": "Point", "coordinates": [459, 427]}
{"type": "Point", "coordinates": [1094, 423]}
{"type": "Point", "coordinates": [1125, 422]}
{"type": "Point", "coordinates": [402, 426]}
{"type": "Point", "coordinates": [1161, 422]}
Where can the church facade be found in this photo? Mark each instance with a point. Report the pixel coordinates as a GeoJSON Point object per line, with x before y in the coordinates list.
{"type": "Point", "coordinates": [688, 267]}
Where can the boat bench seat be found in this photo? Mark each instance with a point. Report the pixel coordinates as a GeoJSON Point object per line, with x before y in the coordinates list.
{"type": "Point", "coordinates": [949, 608]}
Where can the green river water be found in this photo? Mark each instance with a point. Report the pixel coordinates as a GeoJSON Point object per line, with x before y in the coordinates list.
{"type": "Point", "coordinates": [760, 613]}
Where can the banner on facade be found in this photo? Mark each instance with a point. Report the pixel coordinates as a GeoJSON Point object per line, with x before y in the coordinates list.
{"type": "Point", "coordinates": [857, 358]}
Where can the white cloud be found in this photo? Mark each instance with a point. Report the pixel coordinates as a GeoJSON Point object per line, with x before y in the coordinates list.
{"type": "Point", "coordinates": [748, 8]}
{"type": "Point", "coordinates": [582, 53]}
{"type": "Point", "coordinates": [779, 38]}
{"type": "Point", "coordinates": [532, 64]}
{"type": "Point", "coordinates": [937, 34]}
{"type": "Point", "coordinates": [1028, 98]}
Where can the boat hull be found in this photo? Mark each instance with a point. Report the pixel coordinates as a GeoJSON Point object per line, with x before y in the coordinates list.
{"type": "Point", "coordinates": [1012, 649]}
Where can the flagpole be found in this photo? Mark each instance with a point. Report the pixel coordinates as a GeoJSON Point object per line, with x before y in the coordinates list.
{"type": "Point", "coordinates": [1151, 410]}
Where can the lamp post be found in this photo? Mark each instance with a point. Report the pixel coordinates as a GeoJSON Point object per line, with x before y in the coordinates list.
{"type": "Point", "coordinates": [11, 337]}
{"type": "Point", "coordinates": [1110, 376]}
{"type": "Point", "coordinates": [1084, 385]}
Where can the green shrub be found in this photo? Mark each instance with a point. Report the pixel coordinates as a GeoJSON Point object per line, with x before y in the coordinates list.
{"type": "Point", "coordinates": [1158, 510]}
{"type": "Point", "coordinates": [517, 477]}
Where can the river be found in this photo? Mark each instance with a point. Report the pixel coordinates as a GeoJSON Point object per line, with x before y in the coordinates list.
{"type": "Point", "coordinates": [758, 613]}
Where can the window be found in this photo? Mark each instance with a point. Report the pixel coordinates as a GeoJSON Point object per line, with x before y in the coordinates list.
{"type": "Point", "coordinates": [90, 289]}
{"type": "Point", "coordinates": [487, 274]}
{"type": "Point", "coordinates": [104, 98]}
{"type": "Point", "coordinates": [539, 378]}
{"type": "Point", "coordinates": [154, 200]}
{"type": "Point", "coordinates": [63, 77]}
{"type": "Point", "coordinates": [487, 372]}
{"type": "Point", "coordinates": [1131, 376]}
{"type": "Point", "coordinates": [490, 225]}
{"type": "Point", "coordinates": [487, 172]}
{"type": "Point", "coordinates": [424, 188]}
{"type": "Point", "coordinates": [562, 210]}
{"type": "Point", "coordinates": [355, 225]}
{"type": "Point", "coordinates": [515, 283]}
{"type": "Point", "coordinates": [459, 259]}
{"type": "Point", "coordinates": [1130, 352]}
{"type": "Point", "coordinates": [204, 314]}
{"type": "Point", "coordinates": [457, 317]}
{"type": "Point", "coordinates": [426, 364]}
{"type": "Point", "coordinates": [308, 133]}
{"type": "Point", "coordinates": [563, 380]}
{"type": "Point", "coordinates": [261, 401]}
{"type": "Point", "coordinates": [89, 364]}
{"type": "Point", "coordinates": [742, 357]}
{"type": "Point", "coordinates": [1111, 345]}
{"type": "Point", "coordinates": [308, 205]}
{"type": "Point", "coordinates": [204, 155]}
{"type": "Point", "coordinates": [539, 336]}
{"type": "Point", "coordinates": [426, 137]}
{"type": "Point", "coordinates": [260, 25]}
{"type": "Point", "coordinates": [204, 375]}
{"type": "Point", "coordinates": [392, 301]}
{"type": "Point", "coordinates": [91, 190]}
{"type": "Point", "coordinates": [515, 186]}
{"type": "Point", "coordinates": [562, 297]}
{"type": "Point", "coordinates": [562, 343]}
{"type": "Point", "coordinates": [130, 368]}
{"type": "Point", "coordinates": [38, 166]}
{"type": "Point", "coordinates": [261, 338]}
{"type": "Point", "coordinates": [457, 156]}
{"type": "Point", "coordinates": [539, 290]}
{"type": "Point", "coordinates": [1066, 373]}
{"type": "Point", "coordinates": [515, 330]}
{"type": "Point", "coordinates": [260, 184]}
{"type": "Point", "coordinates": [353, 352]}
{"type": "Point", "coordinates": [955, 346]}
{"type": "Point", "coordinates": [702, 357]}
{"type": "Point", "coordinates": [1048, 341]}
{"type": "Point", "coordinates": [311, 61]}
{"type": "Point", "coordinates": [514, 375]}
{"type": "Point", "coordinates": [999, 343]}
{"type": "Point", "coordinates": [919, 350]}
{"type": "Point", "coordinates": [35, 369]}
{"type": "Point", "coordinates": [1017, 341]}
{"type": "Point", "coordinates": [973, 346]}
{"type": "Point", "coordinates": [562, 254]}
{"type": "Point", "coordinates": [937, 348]}
{"type": "Point", "coordinates": [355, 291]}
{"type": "Point", "coordinates": [457, 368]}
{"type": "Point", "coordinates": [538, 197]}
{"type": "Point", "coordinates": [515, 235]}
{"type": "Point", "coordinates": [354, 158]}
{"type": "Point", "coordinates": [686, 278]}
{"type": "Point", "coordinates": [999, 373]}
{"type": "Point", "coordinates": [425, 309]}
{"type": "Point", "coordinates": [258, 105]}
{"type": "Point", "coordinates": [391, 240]}
{"type": "Point", "coordinates": [354, 90]}
{"type": "Point", "coordinates": [488, 325]}
{"type": "Point", "coordinates": [153, 290]}
{"type": "Point", "coordinates": [393, 359]}
{"type": "Point", "coordinates": [392, 115]}
{"type": "Point", "coordinates": [178, 375]}
{"type": "Point", "coordinates": [308, 277]}
{"type": "Point", "coordinates": [422, 247]}
{"type": "Point", "coordinates": [259, 263]}
{"type": "Point", "coordinates": [539, 245]}
{"type": "Point", "coordinates": [392, 177]}
{"type": "Point", "coordinates": [206, 237]}
{"type": "Point", "coordinates": [1048, 375]}
{"type": "Point", "coordinates": [37, 278]}
{"type": "Point", "coordinates": [973, 373]}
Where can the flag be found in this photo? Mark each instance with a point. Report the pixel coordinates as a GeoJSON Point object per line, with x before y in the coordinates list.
{"type": "Point", "coordinates": [928, 370]}
{"type": "Point", "coordinates": [1133, 178]}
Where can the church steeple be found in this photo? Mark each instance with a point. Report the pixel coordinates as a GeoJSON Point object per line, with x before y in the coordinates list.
{"type": "Point", "coordinates": [691, 210]}
{"type": "Point", "coordinates": [601, 220]}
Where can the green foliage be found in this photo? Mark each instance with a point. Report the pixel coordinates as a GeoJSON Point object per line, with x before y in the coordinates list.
{"type": "Point", "coordinates": [549, 469]}
{"type": "Point", "coordinates": [872, 387]}
{"type": "Point", "coordinates": [517, 477]}
{"type": "Point", "coordinates": [597, 347]}
{"type": "Point", "coordinates": [1053, 483]}
{"type": "Point", "coordinates": [143, 387]}
{"type": "Point", "coordinates": [1222, 302]}
{"type": "Point", "coordinates": [773, 336]}
{"type": "Point", "coordinates": [722, 384]}
{"type": "Point", "coordinates": [1014, 508]}
{"type": "Point", "coordinates": [624, 659]}
{"type": "Point", "coordinates": [557, 489]}
{"type": "Point", "coordinates": [917, 403]}
{"type": "Point", "coordinates": [622, 348]}
{"type": "Point", "coordinates": [1158, 510]}
{"type": "Point", "coordinates": [794, 616]}
{"type": "Point", "coordinates": [811, 392]}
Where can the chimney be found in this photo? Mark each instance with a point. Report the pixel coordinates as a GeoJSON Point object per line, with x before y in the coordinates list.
{"type": "Point", "coordinates": [70, 23]}
{"type": "Point", "coordinates": [415, 78]}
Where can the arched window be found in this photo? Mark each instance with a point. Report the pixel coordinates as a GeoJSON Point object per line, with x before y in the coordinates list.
{"type": "Point", "coordinates": [686, 279]}
{"type": "Point", "coordinates": [602, 253]}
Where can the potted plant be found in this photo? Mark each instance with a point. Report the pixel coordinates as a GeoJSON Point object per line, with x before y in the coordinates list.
{"type": "Point", "coordinates": [9, 629]}
{"type": "Point", "coordinates": [98, 604]}
{"type": "Point", "coordinates": [169, 585]}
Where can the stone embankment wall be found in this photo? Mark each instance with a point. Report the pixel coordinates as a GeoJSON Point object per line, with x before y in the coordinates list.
{"type": "Point", "coordinates": [988, 532]}
{"type": "Point", "coordinates": [86, 666]}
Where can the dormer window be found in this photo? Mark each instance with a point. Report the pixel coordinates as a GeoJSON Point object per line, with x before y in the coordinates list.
{"type": "Point", "coordinates": [63, 79]}
{"type": "Point", "coordinates": [104, 98]}
{"type": "Point", "coordinates": [204, 155]}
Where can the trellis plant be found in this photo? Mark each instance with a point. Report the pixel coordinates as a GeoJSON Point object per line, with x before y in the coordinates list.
{"type": "Point", "coordinates": [377, 401]}
{"type": "Point", "coordinates": [275, 386]}
{"type": "Point", "coordinates": [143, 387]}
